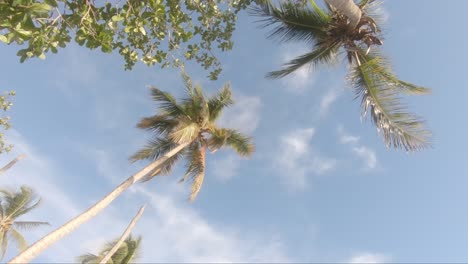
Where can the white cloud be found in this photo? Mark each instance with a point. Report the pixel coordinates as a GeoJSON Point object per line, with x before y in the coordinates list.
{"type": "Point", "coordinates": [327, 100]}
{"type": "Point", "coordinates": [172, 231]}
{"type": "Point", "coordinates": [244, 115]}
{"type": "Point", "coordinates": [183, 235]}
{"type": "Point", "coordinates": [367, 155]}
{"type": "Point", "coordinates": [346, 138]}
{"type": "Point", "coordinates": [226, 168]}
{"type": "Point", "coordinates": [296, 160]}
{"type": "Point", "coordinates": [368, 258]}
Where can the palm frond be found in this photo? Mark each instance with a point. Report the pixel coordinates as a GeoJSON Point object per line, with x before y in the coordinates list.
{"type": "Point", "coordinates": [218, 102]}
{"type": "Point", "coordinates": [318, 10]}
{"type": "Point", "coordinates": [27, 225]}
{"type": "Point", "coordinates": [155, 148]}
{"type": "Point", "coordinates": [381, 66]}
{"type": "Point", "coordinates": [165, 168]}
{"type": "Point", "coordinates": [295, 23]}
{"type": "Point", "coordinates": [195, 163]}
{"type": "Point", "coordinates": [188, 83]}
{"type": "Point", "coordinates": [4, 242]}
{"type": "Point", "coordinates": [242, 144]}
{"type": "Point", "coordinates": [120, 254]}
{"type": "Point", "coordinates": [398, 128]}
{"type": "Point", "coordinates": [373, 10]}
{"type": "Point", "coordinates": [158, 124]}
{"type": "Point", "coordinates": [20, 202]}
{"type": "Point", "coordinates": [196, 106]}
{"type": "Point", "coordinates": [185, 131]}
{"type": "Point", "coordinates": [88, 258]}
{"type": "Point", "coordinates": [198, 177]}
{"type": "Point", "coordinates": [363, 3]}
{"type": "Point", "coordinates": [323, 53]}
{"type": "Point", "coordinates": [19, 239]}
{"type": "Point", "coordinates": [167, 103]}
{"type": "Point", "coordinates": [218, 139]}
{"type": "Point", "coordinates": [133, 248]}
{"type": "Point", "coordinates": [126, 253]}
{"type": "Point", "coordinates": [27, 209]}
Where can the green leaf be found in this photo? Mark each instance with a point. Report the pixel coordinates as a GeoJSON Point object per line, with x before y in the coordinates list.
{"type": "Point", "coordinates": [117, 18]}
{"type": "Point", "coordinates": [142, 30]}
{"type": "Point", "coordinates": [42, 56]}
{"type": "Point", "coordinates": [51, 2]}
{"type": "Point", "coordinates": [39, 8]}
{"type": "Point", "coordinates": [3, 39]}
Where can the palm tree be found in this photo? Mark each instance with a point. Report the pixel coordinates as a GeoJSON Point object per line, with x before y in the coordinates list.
{"type": "Point", "coordinates": [126, 253]}
{"type": "Point", "coordinates": [12, 206]}
{"type": "Point", "coordinates": [352, 30]}
{"type": "Point", "coordinates": [118, 244]}
{"type": "Point", "coordinates": [181, 129]}
{"type": "Point", "coordinates": [191, 122]}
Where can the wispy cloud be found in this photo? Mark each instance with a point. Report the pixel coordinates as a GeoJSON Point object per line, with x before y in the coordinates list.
{"type": "Point", "coordinates": [346, 138]}
{"type": "Point", "coordinates": [367, 257]}
{"type": "Point", "coordinates": [226, 168]}
{"type": "Point", "coordinates": [366, 154]}
{"type": "Point", "coordinates": [176, 232]}
{"type": "Point", "coordinates": [183, 235]}
{"type": "Point", "coordinates": [327, 100]}
{"type": "Point", "coordinates": [244, 115]}
{"type": "Point", "coordinates": [297, 160]}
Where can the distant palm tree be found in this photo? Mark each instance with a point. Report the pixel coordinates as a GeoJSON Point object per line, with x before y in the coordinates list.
{"type": "Point", "coordinates": [12, 206]}
{"type": "Point", "coordinates": [191, 122]}
{"type": "Point", "coordinates": [118, 243]}
{"type": "Point", "coordinates": [127, 253]}
{"type": "Point", "coordinates": [180, 129]}
{"type": "Point", "coordinates": [352, 30]}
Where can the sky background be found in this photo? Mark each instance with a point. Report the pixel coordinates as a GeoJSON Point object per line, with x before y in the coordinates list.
{"type": "Point", "coordinates": [321, 186]}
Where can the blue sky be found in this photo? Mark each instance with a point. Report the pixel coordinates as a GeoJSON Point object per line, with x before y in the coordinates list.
{"type": "Point", "coordinates": [320, 188]}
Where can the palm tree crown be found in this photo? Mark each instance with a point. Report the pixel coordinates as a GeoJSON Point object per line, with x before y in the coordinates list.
{"type": "Point", "coordinates": [12, 206]}
{"type": "Point", "coordinates": [191, 121]}
{"type": "Point", "coordinates": [127, 252]}
{"type": "Point", "coordinates": [331, 33]}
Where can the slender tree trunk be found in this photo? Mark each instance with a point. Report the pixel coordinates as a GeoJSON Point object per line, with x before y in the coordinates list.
{"type": "Point", "coordinates": [13, 162]}
{"type": "Point", "coordinates": [123, 237]}
{"type": "Point", "coordinates": [42, 244]}
{"type": "Point", "coordinates": [349, 9]}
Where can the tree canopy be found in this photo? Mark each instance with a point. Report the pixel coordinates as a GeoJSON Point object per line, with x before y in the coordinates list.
{"type": "Point", "coordinates": [152, 31]}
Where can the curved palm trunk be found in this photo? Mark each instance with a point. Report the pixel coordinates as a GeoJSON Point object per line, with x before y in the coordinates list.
{"type": "Point", "coordinates": [123, 237]}
{"type": "Point", "coordinates": [34, 250]}
{"type": "Point", "coordinates": [13, 162]}
{"type": "Point", "coordinates": [349, 9]}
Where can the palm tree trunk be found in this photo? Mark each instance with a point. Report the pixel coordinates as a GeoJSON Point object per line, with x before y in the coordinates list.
{"type": "Point", "coordinates": [13, 162]}
{"type": "Point", "coordinates": [42, 244]}
{"type": "Point", "coordinates": [123, 237]}
{"type": "Point", "coordinates": [349, 9]}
